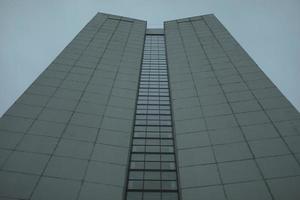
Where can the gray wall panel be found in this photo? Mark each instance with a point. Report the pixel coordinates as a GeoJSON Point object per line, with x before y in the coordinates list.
{"type": "Point", "coordinates": [70, 131]}
{"type": "Point", "coordinates": [231, 123]}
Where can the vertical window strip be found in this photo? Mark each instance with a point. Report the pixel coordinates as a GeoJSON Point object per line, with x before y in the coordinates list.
{"type": "Point", "coordinates": [152, 172]}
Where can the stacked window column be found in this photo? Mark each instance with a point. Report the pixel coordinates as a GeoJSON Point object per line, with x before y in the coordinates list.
{"type": "Point", "coordinates": [152, 168]}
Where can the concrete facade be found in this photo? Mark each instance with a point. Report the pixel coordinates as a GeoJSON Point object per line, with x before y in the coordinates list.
{"type": "Point", "coordinates": [69, 135]}
{"type": "Point", "coordinates": [58, 139]}
{"type": "Point", "coordinates": [237, 135]}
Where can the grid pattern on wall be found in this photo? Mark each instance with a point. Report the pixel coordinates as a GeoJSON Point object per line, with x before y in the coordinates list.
{"type": "Point", "coordinates": [58, 141]}
{"type": "Point", "coordinates": [152, 167]}
{"type": "Point", "coordinates": [236, 133]}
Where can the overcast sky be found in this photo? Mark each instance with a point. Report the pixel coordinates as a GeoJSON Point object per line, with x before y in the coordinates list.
{"type": "Point", "coordinates": [33, 32]}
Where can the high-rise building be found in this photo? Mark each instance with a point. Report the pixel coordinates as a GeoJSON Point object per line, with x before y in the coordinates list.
{"type": "Point", "coordinates": [130, 113]}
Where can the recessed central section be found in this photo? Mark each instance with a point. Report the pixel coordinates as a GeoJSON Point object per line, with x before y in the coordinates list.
{"type": "Point", "coordinates": [152, 168]}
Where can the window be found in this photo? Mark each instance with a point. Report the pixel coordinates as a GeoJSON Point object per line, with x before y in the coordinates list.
{"type": "Point", "coordinates": [152, 172]}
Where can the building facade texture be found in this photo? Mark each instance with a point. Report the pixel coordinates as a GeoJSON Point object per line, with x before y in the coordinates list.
{"type": "Point", "coordinates": [130, 113]}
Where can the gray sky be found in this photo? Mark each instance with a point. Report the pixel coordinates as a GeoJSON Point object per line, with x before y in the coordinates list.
{"type": "Point", "coordinates": [33, 32]}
